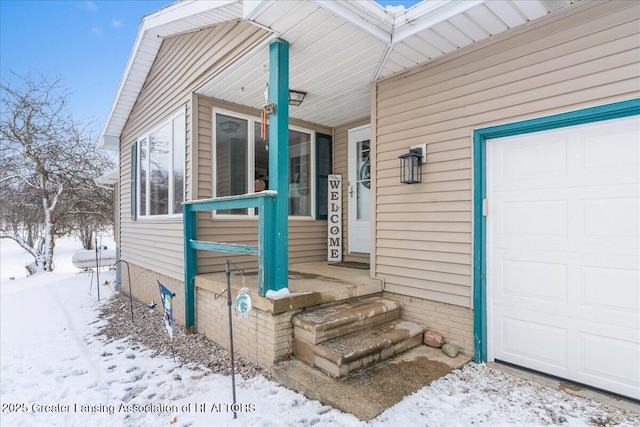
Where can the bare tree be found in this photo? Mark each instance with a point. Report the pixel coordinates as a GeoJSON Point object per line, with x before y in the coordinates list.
{"type": "Point", "coordinates": [49, 166]}
{"type": "Point", "coordinates": [92, 212]}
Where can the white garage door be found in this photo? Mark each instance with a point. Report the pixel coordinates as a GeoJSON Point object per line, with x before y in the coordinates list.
{"type": "Point", "coordinates": [563, 253]}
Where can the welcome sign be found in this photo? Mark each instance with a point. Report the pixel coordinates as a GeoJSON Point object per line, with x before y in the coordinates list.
{"type": "Point", "coordinates": [334, 219]}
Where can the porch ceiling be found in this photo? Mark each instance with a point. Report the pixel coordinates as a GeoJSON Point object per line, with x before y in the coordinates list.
{"type": "Point", "coordinates": [337, 49]}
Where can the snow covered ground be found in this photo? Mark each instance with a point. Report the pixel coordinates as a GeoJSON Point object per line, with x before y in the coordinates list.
{"type": "Point", "coordinates": [55, 371]}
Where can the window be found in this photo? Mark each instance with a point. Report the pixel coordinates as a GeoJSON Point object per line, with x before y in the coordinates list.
{"type": "Point", "coordinates": [231, 158]}
{"type": "Point", "coordinates": [242, 163]}
{"type": "Point", "coordinates": [300, 174]}
{"type": "Point", "coordinates": [160, 169]}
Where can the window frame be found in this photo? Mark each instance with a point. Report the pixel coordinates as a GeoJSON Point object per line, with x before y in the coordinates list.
{"type": "Point", "coordinates": [319, 175]}
{"type": "Point", "coordinates": [171, 167]}
{"type": "Point", "coordinates": [250, 165]}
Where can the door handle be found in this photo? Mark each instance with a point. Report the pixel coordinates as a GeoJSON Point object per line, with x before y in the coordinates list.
{"type": "Point", "coordinates": [350, 190]}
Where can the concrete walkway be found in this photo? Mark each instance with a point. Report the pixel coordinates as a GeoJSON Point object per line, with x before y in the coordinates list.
{"type": "Point", "coordinates": [368, 392]}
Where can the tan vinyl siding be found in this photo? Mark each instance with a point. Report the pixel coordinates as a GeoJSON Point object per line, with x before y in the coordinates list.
{"type": "Point", "coordinates": [183, 64]}
{"type": "Point", "coordinates": [307, 237]}
{"type": "Point", "coordinates": [584, 56]}
{"type": "Point", "coordinates": [341, 167]}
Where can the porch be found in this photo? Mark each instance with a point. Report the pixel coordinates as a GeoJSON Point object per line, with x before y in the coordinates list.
{"type": "Point", "coordinates": [310, 284]}
{"type": "Point", "coordinates": [289, 301]}
{"type": "Point", "coordinates": [266, 334]}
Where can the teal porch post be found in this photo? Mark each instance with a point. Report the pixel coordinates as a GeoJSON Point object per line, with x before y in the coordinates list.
{"type": "Point", "coordinates": [190, 267]}
{"type": "Point", "coordinates": [279, 162]}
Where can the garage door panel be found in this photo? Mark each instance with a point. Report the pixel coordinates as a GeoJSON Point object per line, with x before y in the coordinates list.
{"type": "Point", "coordinates": [610, 289]}
{"type": "Point", "coordinates": [603, 225]}
{"type": "Point", "coordinates": [531, 219]}
{"type": "Point", "coordinates": [532, 278]}
{"type": "Point", "coordinates": [610, 221]}
{"type": "Point", "coordinates": [610, 153]}
{"type": "Point", "coordinates": [607, 298]}
{"type": "Point", "coordinates": [522, 337]}
{"type": "Point", "coordinates": [605, 360]}
{"type": "Point", "coordinates": [576, 156]}
{"type": "Point", "coordinates": [523, 222]}
{"type": "Point", "coordinates": [538, 280]}
{"type": "Point", "coordinates": [539, 220]}
{"type": "Point", "coordinates": [563, 252]}
{"type": "Point", "coordinates": [521, 164]}
{"type": "Point", "coordinates": [608, 362]}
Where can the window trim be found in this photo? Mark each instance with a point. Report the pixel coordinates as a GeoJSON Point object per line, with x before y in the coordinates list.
{"type": "Point", "coordinates": [147, 202]}
{"type": "Point", "coordinates": [322, 216]}
{"type": "Point", "coordinates": [134, 181]}
{"type": "Point", "coordinates": [252, 120]}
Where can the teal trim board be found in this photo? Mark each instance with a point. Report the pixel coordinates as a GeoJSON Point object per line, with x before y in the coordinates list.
{"type": "Point", "coordinates": [480, 137]}
{"type": "Point", "coordinates": [279, 160]}
{"type": "Point", "coordinates": [190, 265]}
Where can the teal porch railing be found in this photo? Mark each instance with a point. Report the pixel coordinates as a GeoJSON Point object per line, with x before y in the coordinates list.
{"type": "Point", "coordinates": [270, 275]}
{"type": "Point", "coordinates": [273, 233]}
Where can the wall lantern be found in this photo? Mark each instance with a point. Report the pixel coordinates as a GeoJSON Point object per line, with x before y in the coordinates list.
{"type": "Point", "coordinates": [296, 97]}
{"type": "Point", "coordinates": [411, 166]}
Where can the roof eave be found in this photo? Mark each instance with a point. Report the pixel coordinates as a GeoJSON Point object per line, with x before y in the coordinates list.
{"type": "Point", "coordinates": [150, 28]}
{"type": "Point", "coordinates": [425, 14]}
{"type": "Point", "coordinates": [367, 16]}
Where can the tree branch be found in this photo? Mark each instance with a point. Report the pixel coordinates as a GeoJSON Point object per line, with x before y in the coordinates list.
{"type": "Point", "coordinates": [18, 240]}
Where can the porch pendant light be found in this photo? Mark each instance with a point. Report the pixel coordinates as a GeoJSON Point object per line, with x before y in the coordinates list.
{"type": "Point", "coordinates": [411, 166]}
{"type": "Point", "coordinates": [296, 97]}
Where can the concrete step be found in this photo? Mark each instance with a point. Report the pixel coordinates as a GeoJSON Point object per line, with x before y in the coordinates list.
{"type": "Point", "coordinates": [379, 387]}
{"type": "Point", "coordinates": [317, 326]}
{"type": "Point", "coordinates": [341, 355]}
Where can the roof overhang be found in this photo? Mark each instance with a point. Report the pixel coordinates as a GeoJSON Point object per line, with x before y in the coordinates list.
{"type": "Point", "coordinates": [109, 179]}
{"type": "Point", "coordinates": [180, 17]}
{"type": "Point", "coordinates": [337, 48]}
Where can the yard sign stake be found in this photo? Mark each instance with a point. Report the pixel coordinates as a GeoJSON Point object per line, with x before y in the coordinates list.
{"type": "Point", "coordinates": [227, 270]}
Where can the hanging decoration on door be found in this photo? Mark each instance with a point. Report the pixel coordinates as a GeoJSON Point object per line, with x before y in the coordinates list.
{"type": "Point", "coordinates": [364, 173]}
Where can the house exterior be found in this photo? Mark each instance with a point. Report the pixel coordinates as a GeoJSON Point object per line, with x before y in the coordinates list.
{"type": "Point", "coordinates": [521, 241]}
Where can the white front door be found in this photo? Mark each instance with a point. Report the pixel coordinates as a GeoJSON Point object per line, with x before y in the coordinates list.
{"type": "Point", "coordinates": [359, 190]}
{"type": "Point", "coordinates": [563, 266]}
